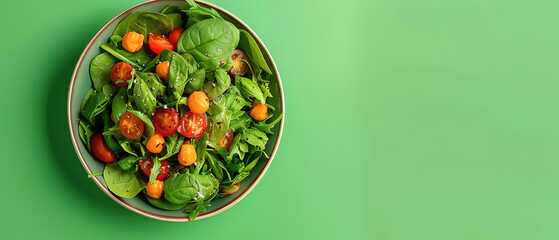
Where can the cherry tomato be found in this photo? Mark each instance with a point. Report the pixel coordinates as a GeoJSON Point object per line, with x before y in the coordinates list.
{"type": "Point", "coordinates": [155, 190]}
{"type": "Point", "coordinates": [198, 102]}
{"type": "Point", "coordinates": [259, 111]}
{"type": "Point", "coordinates": [233, 189]}
{"type": "Point", "coordinates": [147, 164]}
{"type": "Point", "coordinates": [162, 71]}
{"type": "Point", "coordinates": [227, 140]}
{"type": "Point", "coordinates": [158, 42]}
{"type": "Point", "coordinates": [131, 126]}
{"type": "Point", "coordinates": [192, 125]}
{"type": "Point", "coordinates": [187, 155]}
{"type": "Point", "coordinates": [165, 121]}
{"type": "Point", "coordinates": [100, 149]}
{"type": "Point", "coordinates": [120, 73]}
{"type": "Point", "coordinates": [132, 41]}
{"type": "Point", "coordinates": [155, 143]}
{"type": "Point", "coordinates": [175, 35]}
{"type": "Point", "coordinates": [240, 63]}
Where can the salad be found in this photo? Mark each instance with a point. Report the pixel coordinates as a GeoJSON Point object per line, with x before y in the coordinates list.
{"type": "Point", "coordinates": [178, 108]}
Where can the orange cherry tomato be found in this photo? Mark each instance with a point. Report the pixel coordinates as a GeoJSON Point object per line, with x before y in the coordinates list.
{"type": "Point", "coordinates": [100, 149]}
{"type": "Point", "coordinates": [131, 126]}
{"type": "Point", "coordinates": [133, 41]}
{"type": "Point", "coordinates": [162, 71]}
{"type": "Point", "coordinates": [198, 102]}
{"type": "Point", "coordinates": [158, 42]}
{"type": "Point", "coordinates": [155, 143]}
{"type": "Point", "coordinates": [120, 73]}
{"type": "Point", "coordinates": [155, 190]}
{"type": "Point", "coordinates": [259, 111]}
{"type": "Point", "coordinates": [233, 189]}
{"type": "Point", "coordinates": [175, 35]}
{"type": "Point", "coordinates": [227, 140]}
{"type": "Point", "coordinates": [187, 155]}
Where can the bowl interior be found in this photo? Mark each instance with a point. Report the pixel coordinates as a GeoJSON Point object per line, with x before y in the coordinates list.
{"type": "Point", "coordinates": [81, 83]}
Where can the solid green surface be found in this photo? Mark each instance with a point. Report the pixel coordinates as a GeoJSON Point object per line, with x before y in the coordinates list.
{"type": "Point", "coordinates": [404, 120]}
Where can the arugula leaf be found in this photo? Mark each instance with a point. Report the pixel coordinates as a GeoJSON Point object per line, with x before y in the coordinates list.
{"type": "Point", "coordinates": [238, 148]}
{"type": "Point", "coordinates": [155, 170]}
{"type": "Point", "coordinates": [125, 144]}
{"type": "Point", "coordinates": [255, 137]}
{"type": "Point", "coordinates": [200, 146]}
{"type": "Point", "coordinates": [249, 89]}
{"type": "Point", "coordinates": [240, 123]}
{"type": "Point", "coordinates": [212, 160]}
{"type": "Point", "coordinates": [195, 208]}
{"type": "Point", "coordinates": [95, 105]}
{"type": "Point", "coordinates": [267, 127]}
{"type": "Point", "coordinates": [214, 90]}
{"type": "Point", "coordinates": [122, 183]}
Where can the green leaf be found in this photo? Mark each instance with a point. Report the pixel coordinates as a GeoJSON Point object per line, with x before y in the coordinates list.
{"type": "Point", "coordinates": [95, 105]}
{"type": "Point", "coordinates": [267, 127]}
{"type": "Point", "coordinates": [191, 63]}
{"type": "Point", "coordinates": [144, 23]}
{"type": "Point", "coordinates": [125, 144]}
{"type": "Point", "coordinates": [100, 70]}
{"type": "Point", "coordinates": [119, 104]}
{"type": "Point", "coordinates": [173, 145]}
{"type": "Point", "coordinates": [86, 131]}
{"type": "Point", "coordinates": [239, 124]}
{"type": "Point", "coordinates": [155, 170]}
{"type": "Point", "coordinates": [176, 18]}
{"type": "Point", "coordinates": [178, 76]}
{"type": "Point", "coordinates": [209, 41]}
{"type": "Point", "coordinates": [196, 81]}
{"type": "Point", "coordinates": [127, 162]}
{"type": "Point", "coordinates": [250, 47]}
{"type": "Point", "coordinates": [122, 183]}
{"type": "Point", "coordinates": [249, 88]}
{"type": "Point", "coordinates": [212, 161]}
{"type": "Point", "coordinates": [153, 83]}
{"type": "Point", "coordinates": [164, 204]}
{"type": "Point", "coordinates": [200, 145]}
{"type": "Point", "coordinates": [255, 137]}
{"type": "Point", "coordinates": [197, 13]}
{"type": "Point", "coordinates": [181, 188]}
{"type": "Point", "coordinates": [253, 158]}
{"type": "Point", "coordinates": [138, 60]}
{"type": "Point", "coordinates": [221, 84]}
{"type": "Point", "coordinates": [143, 96]}
{"type": "Point", "coordinates": [88, 95]}
{"type": "Point", "coordinates": [238, 148]}
{"type": "Point", "coordinates": [148, 127]}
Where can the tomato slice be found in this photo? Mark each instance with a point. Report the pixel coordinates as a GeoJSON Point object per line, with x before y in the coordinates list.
{"type": "Point", "coordinates": [192, 125]}
{"type": "Point", "coordinates": [165, 121]}
{"type": "Point", "coordinates": [147, 164]}
{"type": "Point", "coordinates": [158, 42]}
{"type": "Point", "coordinates": [131, 126]}
{"type": "Point", "coordinates": [100, 149]}
{"type": "Point", "coordinates": [175, 35]}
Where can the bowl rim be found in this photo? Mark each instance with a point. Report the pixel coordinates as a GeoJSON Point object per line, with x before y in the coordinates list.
{"type": "Point", "coordinates": [144, 212]}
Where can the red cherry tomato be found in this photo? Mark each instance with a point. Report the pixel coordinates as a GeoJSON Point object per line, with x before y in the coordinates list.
{"type": "Point", "coordinates": [192, 125]}
{"type": "Point", "coordinates": [147, 164]}
{"type": "Point", "coordinates": [175, 35]}
{"type": "Point", "coordinates": [158, 42]}
{"type": "Point", "coordinates": [165, 121]}
{"type": "Point", "coordinates": [131, 126]}
{"type": "Point", "coordinates": [100, 149]}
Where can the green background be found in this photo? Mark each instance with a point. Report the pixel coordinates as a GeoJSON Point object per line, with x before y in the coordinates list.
{"type": "Point", "coordinates": [404, 120]}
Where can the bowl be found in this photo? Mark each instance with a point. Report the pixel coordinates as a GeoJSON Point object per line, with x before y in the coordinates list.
{"type": "Point", "coordinates": [81, 83]}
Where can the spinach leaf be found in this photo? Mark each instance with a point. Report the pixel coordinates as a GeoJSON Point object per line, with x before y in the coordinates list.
{"type": "Point", "coordinates": [144, 23]}
{"type": "Point", "coordinates": [255, 137]}
{"type": "Point", "coordinates": [249, 89]}
{"type": "Point", "coordinates": [95, 105]}
{"type": "Point", "coordinates": [191, 63]}
{"type": "Point", "coordinates": [127, 162]}
{"type": "Point", "coordinates": [165, 55]}
{"type": "Point", "coordinates": [222, 83]}
{"type": "Point", "coordinates": [176, 18]}
{"type": "Point", "coordinates": [154, 84]}
{"type": "Point", "coordinates": [143, 96]}
{"type": "Point", "coordinates": [86, 131]}
{"type": "Point", "coordinates": [173, 9]}
{"type": "Point", "coordinates": [125, 144]}
{"type": "Point", "coordinates": [122, 183]}
{"type": "Point", "coordinates": [267, 127]}
{"type": "Point", "coordinates": [200, 145]}
{"type": "Point", "coordinates": [100, 70]}
{"type": "Point", "coordinates": [148, 126]}
{"type": "Point", "coordinates": [181, 188]}
{"type": "Point", "coordinates": [196, 81]}
{"type": "Point", "coordinates": [111, 142]}
{"type": "Point", "coordinates": [178, 76]}
{"type": "Point", "coordinates": [138, 59]}
{"type": "Point", "coordinates": [119, 104]}
{"type": "Point", "coordinates": [197, 13]}
{"type": "Point", "coordinates": [155, 170]}
{"type": "Point", "coordinates": [88, 95]}
{"type": "Point", "coordinates": [250, 47]}
{"type": "Point", "coordinates": [164, 204]}
{"type": "Point", "coordinates": [209, 41]}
